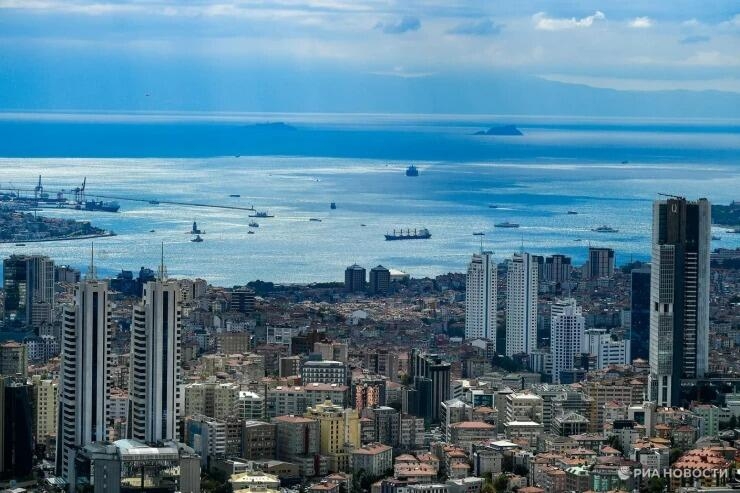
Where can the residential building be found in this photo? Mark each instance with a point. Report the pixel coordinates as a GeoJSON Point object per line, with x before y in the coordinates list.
{"type": "Point", "coordinates": [324, 372]}
{"type": "Point", "coordinates": [567, 326]}
{"type": "Point", "coordinates": [521, 305]}
{"type": "Point", "coordinates": [600, 263]}
{"type": "Point", "coordinates": [380, 279]}
{"type": "Point", "coordinates": [480, 298]}
{"type": "Point", "coordinates": [354, 279]}
{"type": "Point", "coordinates": [375, 459]}
{"type": "Point", "coordinates": [339, 432]}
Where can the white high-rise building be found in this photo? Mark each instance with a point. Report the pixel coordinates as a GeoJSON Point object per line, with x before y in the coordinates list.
{"type": "Point", "coordinates": [566, 335]}
{"type": "Point", "coordinates": [679, 296]}
{"type": "Point", "coordinates": [84, 376]}
{"type": "Point", "coordinates": [155, 379]}
{"type": "Point", "coordinates": [521, 305]}
{"type": "Point", "coordinates": [480, 298]}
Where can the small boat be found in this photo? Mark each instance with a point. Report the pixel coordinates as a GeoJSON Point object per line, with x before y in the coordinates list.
{"type": "Point", "coordinates": [234, 195]}
{"type": "Point", "coordinates": [363, 225]}
{"type": "Point", "coordinates": [716, 238]}
{"type": "Point", "coordinates": [479, 233]}
{"type": "Point", "coordinates": [151, 231]}
{"type": "Point", "coordinates": [315, 219]}
{"type": "Point", "coordinates": [333, 205]}
{"type": "Point", "coordinates": [625, 162]}
{"type": "Point", "coordinates": [578, 239]}
{"type": "Point", "coordinates": [492, 206]}
{"type": "Point", "coordinates": [261, 214]}
{"type": "Point", "coordinates": [154, 202]}
{"type": "Point", "coordinates": [197, 239]}
{"type": "Point", "coordinates": [20, 244]}
{"type": "Point", "coordinates": [250, 232]}
{"type": "Point", "coordinates": [604, 229]}
{"type": "Point", "coordinates": [412, 171]}
{"type": "Point", "coordinates": [254, 224]}
{"type": "Point", "coordinates": [507, 224]}
{"type": "Point", "coordinates": [572, 213]}
{"type": "Point", "coordinates": [734, 230]}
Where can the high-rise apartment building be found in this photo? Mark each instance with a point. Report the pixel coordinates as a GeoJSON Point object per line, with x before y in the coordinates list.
{"type": "Point", "coordinates": [521, 305]}
{"type": "Point", "coordinates": [354, 279]}
{"type": "Point", "coordinates": [84, 376]}
{"type": "Point", "coordinates": [27, 279]}
{"type": "Point", "coordinates": [557, 269]}
{"type": "Point", "coordinates": [480, 298]}
{"type": "Point", "coordinates": [600, 263]}
{"type": "Point", "coordinates": [45, 408]}
{"type": "Point", "coordinates": [679, 296]}
{"type": "Point", "coordinates": [567, 325]}
{"type": "Point", "coordinates": [154, 388]}
{"type": "Point", "coordinates": [380, 280]}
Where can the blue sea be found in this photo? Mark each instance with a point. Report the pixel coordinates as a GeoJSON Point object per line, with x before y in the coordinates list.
{"type": "Point", "coordinates": [608, 171]}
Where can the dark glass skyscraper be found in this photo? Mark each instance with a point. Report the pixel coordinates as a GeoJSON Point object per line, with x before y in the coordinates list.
{"type": "Point", "coordinates": [640, 313]}
{"type": "Point", "coordinates": [679, 296]}
{"type": "Point", "coordinates": [16, 428]}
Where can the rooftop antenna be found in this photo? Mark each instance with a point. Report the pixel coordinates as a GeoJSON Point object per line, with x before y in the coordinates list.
{"type": "Point", "coordinates": [162, 273]}
{"type": "Point", "coordinates": [481, 243]}
{"type": "Point", "coordinates": [521, 245]}
{"type": "Point", "coordinates": [91, 268]}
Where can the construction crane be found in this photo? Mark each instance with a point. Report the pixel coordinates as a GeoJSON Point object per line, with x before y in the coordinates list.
{"type": "Point", "coordinates": [672, 196]}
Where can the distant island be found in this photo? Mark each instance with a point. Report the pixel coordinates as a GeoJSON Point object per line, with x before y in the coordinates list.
{"type": "Point", "coordinates": [501, 130]}
{"type": "Point", "coordinates": [24, 227]}
{"type": "Point", "coordinates": [726, 215]}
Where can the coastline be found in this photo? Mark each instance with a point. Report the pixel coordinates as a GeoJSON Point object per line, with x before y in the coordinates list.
{"type": "Point", "coordinates": [63, 238]}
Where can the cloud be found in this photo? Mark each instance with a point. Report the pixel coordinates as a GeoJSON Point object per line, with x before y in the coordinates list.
{"type": "Point", "coordinates": [688, 40]}
{"type": "Point", "coordinates": [545, 23]}
{"type": "Point", "coordinates": [641, 23]}
{"type": "Point", "coordinates": [401, 72]}
{"type": "Point", "coordinates": [483, 27]}
{"type": "Point", "coordinates": [405, 24]}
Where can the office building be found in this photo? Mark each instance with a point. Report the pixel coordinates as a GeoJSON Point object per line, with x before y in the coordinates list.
{"type": "Point", "coordinates": [154, 388]}
{"type": "Point", "coordinates": [480, 298]}
{"type": "Point", "coordinates": [521, 305]}
{"type": "Point", "coordinates": [354, 279]}
{"type": "Point", "coordinates": [567, 326]}
{"type": "Point", "coordinates": [124, 465]}
{"type": "Point", "coordinates": [640, 313]}
{"type": "Point", "coordinates": [600, 263]}
{"type": "Point", "coordinates": [297, 440]}
{"type": "Point", "coordinates": [679, 296]}
{"type": "Point", "coordinates": [258, 440]}
{"type": "Point", "coordinates": [27, 279]}
{"type": "Point", "coordinates": [207, 436]}
{"type": "Point", "coordinates": [431, 379]}
{"type": "Point", "coordinates": [332, 351]}
{"type": "Point", "coordinates": [242, 300]}
{"type": "Point", "coordinates": [324, 372]}
{"type": "Point", "coordinates": [84, 377]}
{"type": "Point", "coordinates": [380, 280]}
{"type": "Point", "coordinates": [13, 359]}
{"type": "Point", "coordinates": [16, 428]}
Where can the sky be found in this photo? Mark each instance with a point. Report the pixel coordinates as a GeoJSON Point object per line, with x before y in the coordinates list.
{"type": "Point", "coordinates": [201, 54]}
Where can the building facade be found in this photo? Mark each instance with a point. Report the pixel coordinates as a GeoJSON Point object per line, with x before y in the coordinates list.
{"type": "Point", "coordinates": [480, 298]}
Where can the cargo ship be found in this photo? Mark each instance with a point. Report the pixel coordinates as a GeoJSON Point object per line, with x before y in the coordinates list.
{"type": "Point", "coordinates": [421, 234]}
{"type": "Point", "coordinates": [98, 205]}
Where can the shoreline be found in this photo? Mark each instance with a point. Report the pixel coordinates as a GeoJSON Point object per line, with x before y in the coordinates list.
{"type": "Point", "coordinates": [64, 238]}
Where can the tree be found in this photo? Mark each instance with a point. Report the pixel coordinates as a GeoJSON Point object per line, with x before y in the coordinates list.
{"type": "Point", "coordinates": [501, 483]}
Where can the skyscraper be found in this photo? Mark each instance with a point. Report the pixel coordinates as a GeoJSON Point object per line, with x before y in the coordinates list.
{"type": "Point", "coordinates": [154, 391]}
{"type": "Point", "coordinates": [600, 263]}
{"type": "Point", "coordinates": [480, 298]}
{"type": "Point", "coordinates": [566, 334]}
{"type": "Point", "coordinates": [521, 305]}
{"type": "Point", "coordinates": [354, 279]}
{"type": "Point", "coordinates": [380, 279]}
{"type": "Point", "coordinates": [557, 269]}
{"type": "Point", "coordinates": [27, 279]}
{"type": "Point", "coordinates": [640, 313]}
{"type": "Point", "coordinates": [16, 428]}
{"type": "Point", "coordinates": [431, 377]}
{"type": "Point", "coordinates": [679, 296]}
{"type": "Point", "coordinates": [84, 373]}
